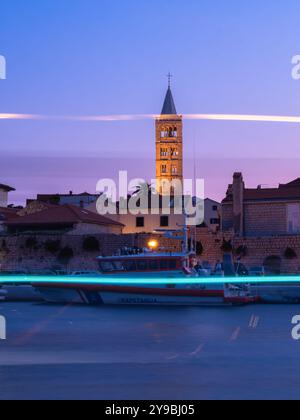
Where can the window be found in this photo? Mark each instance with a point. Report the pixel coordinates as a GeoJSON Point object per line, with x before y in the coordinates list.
{"type": "Point", "coordinates": [106, 267]}
{"type": "Point", "coordinates": [140, 222]}
{"type": "Point", "coordinates": [174, 152]}
{"type": "Point", "coordinates": [142, 265]}
{"type": "Point", "coordinates": [215, 208]}
{"type": "Point", "coordinates": [169, 132]}
{"type": "Point", "coordinates": [129, 265]}
{"type": "Point", "coordinates": [164, 264]}
{"type": "Point", "coordinates": [154, 265]}
{"type": "Point", "coordinates": [164, 169]}
{"type": "Point", "coordinates": [163, 152]}
{"type": "Point", "coordinates": [174, 170]}
{"type": "Point", "coordinates": [172, 264]}
{"type": "Point", "coordinates": [164, 221]}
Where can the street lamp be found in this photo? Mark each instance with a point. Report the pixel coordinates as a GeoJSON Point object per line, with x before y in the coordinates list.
{"type": "Point", "coordinates": [153, 244]}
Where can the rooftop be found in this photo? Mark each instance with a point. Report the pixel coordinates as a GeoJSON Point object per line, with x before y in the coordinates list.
{"type": "Point", "coordinates": [66, 214]}
{"type": "Point", "coordinates": [7, 213]}
{"type": "Point", "coordinates": [6, 188]}
{"type": "Point", "coordinates": [286, 192]}
{"type": "Point", "coordinates": [169, 107]}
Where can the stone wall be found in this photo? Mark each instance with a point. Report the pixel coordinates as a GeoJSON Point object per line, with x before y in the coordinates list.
{"type": "Point", "coordinates": [260, 218]}
{"type": "Point", "coordinates": [258, 249]}
{"type": "Point", "coordinates": [211, 243]}
{"type": "Point", "coordinates": [265, 219]}
{"type": "Point", "coordinates": [16, 256]}
{"type": "Point", "coordinates": [227, 217]}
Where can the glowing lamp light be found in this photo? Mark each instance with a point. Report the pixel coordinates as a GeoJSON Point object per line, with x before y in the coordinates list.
{"type": "Point", "coordinates": [153, 244]}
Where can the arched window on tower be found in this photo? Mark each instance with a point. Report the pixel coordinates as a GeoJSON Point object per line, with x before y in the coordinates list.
{"type": "Point", "coordinates": [174, 152]}
{"type": "Point", "coordinates": [163, 169]}
{"type": "Point", "coordinates": [169, 132]}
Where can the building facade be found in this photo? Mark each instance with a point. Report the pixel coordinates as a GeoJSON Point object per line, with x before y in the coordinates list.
{"type": "Point", "coordinates": [261, 212]}
{"type": "Point", "coordinates": [212, 214]}
{"type": "Point", "coordinates": [4, 191]}
{"type": "Point", "coordinates": [65, 220]}
{"type": "Point", "coordinates": [147, 219]}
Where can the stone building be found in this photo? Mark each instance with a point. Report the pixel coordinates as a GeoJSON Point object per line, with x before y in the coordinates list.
{"type": "Point", "coordinates": [261, 211]}
{"type": "Point", "coordinates": [157, 213]}
{"type": "Point", "coordinates": [64, 220]}
{"type": "Point", "coordinates": [169, 145]}
{"type": "Point", "coordinates": [263, 224]}
{"type": "Point", "coordinates": [4, 191]}
{"type": "Point", "coordinates": [212, 214]}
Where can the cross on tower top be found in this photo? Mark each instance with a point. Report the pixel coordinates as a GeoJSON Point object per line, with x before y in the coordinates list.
{"type": "Point", "coordinates": [169, 76]}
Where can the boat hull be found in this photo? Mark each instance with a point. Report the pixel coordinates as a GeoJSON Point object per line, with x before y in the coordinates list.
{"type": "Point", "coordinates": [141, 295]}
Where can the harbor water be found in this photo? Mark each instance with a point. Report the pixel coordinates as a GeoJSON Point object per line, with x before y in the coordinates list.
{"type": "Point", "coordinates": [82, 352]}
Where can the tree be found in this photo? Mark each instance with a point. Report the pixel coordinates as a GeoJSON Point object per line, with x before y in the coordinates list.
{"type": "Point", "coordinates": [290, 254]}
{"type": "Point", "coordinates": [52, 246]}
{"type": "Point", "coordinates": [241, 251]}
{"type": "Point", "coordinates": [31, 243]}
{"type": "Point", "coordinates": [91, 244]}
{"type": "Point", "coordinates": [227, 246]}
{"type": "Point", "coordinates": [65, 255]}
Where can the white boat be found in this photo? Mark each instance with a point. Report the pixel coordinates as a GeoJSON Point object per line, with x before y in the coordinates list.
{"type": "Point", "coordinates": [145, 279]}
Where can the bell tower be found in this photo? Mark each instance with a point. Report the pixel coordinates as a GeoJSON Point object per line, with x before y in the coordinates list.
{"type": "Point", "coordinates": [169, 144]}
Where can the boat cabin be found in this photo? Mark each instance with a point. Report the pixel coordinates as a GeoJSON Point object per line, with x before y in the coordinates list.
{"type": "Point", "coordinates": [144, 263]}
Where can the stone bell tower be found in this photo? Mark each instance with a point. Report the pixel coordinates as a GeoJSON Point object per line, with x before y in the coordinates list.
{"type": "Point", "coordinates": [169, 144]}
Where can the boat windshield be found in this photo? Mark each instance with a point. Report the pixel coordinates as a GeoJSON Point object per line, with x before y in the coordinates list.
{"type": "Point", "coordinates": [137, 265]}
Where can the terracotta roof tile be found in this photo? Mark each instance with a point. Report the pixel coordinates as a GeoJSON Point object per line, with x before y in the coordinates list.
{"type": "Point", "coordinates": [66, 214]}
{"type": "Point", "coordinates": [7, 213]}
{"type": "Point", "coordinates": [286, 192]}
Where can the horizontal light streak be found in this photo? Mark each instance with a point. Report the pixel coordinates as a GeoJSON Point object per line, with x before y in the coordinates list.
{"type": "Point", "coordinates": [6, 280]}
{"type": "Point", "coordinates": [20, 117]}
{"type": "Point", "coordinates": [141, 117]}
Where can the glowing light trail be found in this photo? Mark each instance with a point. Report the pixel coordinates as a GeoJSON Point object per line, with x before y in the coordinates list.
{"type": "Point", "coordinates": [20, 117]}
{"type": "Point", "coordinates": [6, 280]}
{"type": "Point", "coordinates": [140, 117]}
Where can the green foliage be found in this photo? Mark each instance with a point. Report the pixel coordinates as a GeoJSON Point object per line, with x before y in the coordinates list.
{"type": "Point", "coordinates": [65, 255]}
{"type": "Point", "coordinates": [91, 244]}
{"type": "Point", "coordinates": [52, 246]}
{"type": "Point", "coordinates": [31, 243]}
{"type": "Point", "coordinates": [226, 246]}
{"type": "Point", "coordinates": [241, 251]}
{"type": "Point", "coordinates": [290, 254]}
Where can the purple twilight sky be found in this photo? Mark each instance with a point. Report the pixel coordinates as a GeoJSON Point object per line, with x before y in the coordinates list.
{"type": "Point", "coordinates": [110, 57]}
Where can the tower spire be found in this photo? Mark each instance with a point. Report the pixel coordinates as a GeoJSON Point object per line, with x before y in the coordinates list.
{"type": "Point", "coordinates": [169, 107]}
{"type": "Point", "coordinates": [169, 145]}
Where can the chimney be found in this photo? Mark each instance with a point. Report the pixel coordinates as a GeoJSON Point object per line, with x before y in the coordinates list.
{"type": "Point", "coordinates": [238, 187]}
